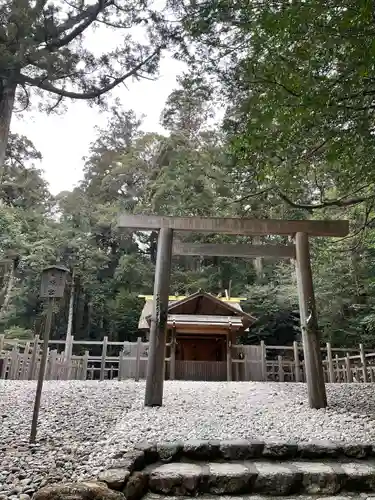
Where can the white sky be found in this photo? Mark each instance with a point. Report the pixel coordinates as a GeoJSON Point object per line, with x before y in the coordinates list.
{"type": "Point", "coordinates": [64, 139]}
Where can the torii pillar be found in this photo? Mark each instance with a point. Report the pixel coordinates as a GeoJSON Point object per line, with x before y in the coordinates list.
{"type": "Point", "coordinates": [159, 321]}
{"type": "Point", "coordinates": [309, 325]}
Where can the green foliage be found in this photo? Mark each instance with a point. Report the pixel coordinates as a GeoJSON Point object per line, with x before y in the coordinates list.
{"type": "Point", "coordinates": [43, 48]}
{"type": "Point", "coordinates": [17, 332]}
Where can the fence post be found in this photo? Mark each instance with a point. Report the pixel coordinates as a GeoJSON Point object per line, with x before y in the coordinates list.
{"type": "Point", "coordinates": [120, 366]}
{"type": "Point", "coordinates": [297, 369]}
{"type": "Point", "coordinates": [349, 375]}
{"type": "Point", "coordinates": [35, 367]}
{"type": "Point", "coordinates": [68, 356]}
{"type": "Point", "coordinates": [48, 370]}
{"type": "Point", "coordinates": [52, 367]}
{"type": "Point", "coordinates": [25, 359]}
{"type": "Point", "coordinates": [331, 371]}
{"type": "Point", "coordinates": [14, 363]}
{"type": "Point", "coordinates": [3, 366]}
{"type": "Point", "coordinates": [364, 364]}
{"type": "Point", "coordinates": [263, 358]}
{"type": "Point", "coordinates": [337, 368]}
{"type": "Point", "coordinates": [2, 342]}
{"type": "Point", "coordinates": [138, 359]}
{"type": "Point", "coordinates": [172, 357]}
{"type": "Point", "coordinates": [229, 359]}
{"type": "Point", "coordinates": [104, 355]}
{"type": "Point", "coordinates": [371, 374]}
{"type": "Point", "coordinates": [85, 364]}
{"type": "Point", "coordinates": [281, 369]}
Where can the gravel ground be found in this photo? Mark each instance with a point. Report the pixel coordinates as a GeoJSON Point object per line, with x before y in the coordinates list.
{"type": "Point", "coordinates": [83, 423]}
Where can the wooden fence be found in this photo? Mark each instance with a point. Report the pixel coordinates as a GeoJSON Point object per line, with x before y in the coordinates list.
{"type": "Point", "coordinates": [128, 360]}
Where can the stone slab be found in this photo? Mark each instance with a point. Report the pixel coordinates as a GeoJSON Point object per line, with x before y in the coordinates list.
{"type": "Point", "coordinates": [114, 478]}
{"type": "Point", "coordinates": [360, 476]}
{"type": "Point", "coordinates": [176, 478]}
{"type": "Point", "coordinates": [242, 449]}
{"type": "Point", "coordinates": [276, 478]}
{"type": "Point", "coordinates": [154, 496]}
{"type": "Point", "coordinates": [195, 449]}
{"type": "Point", "coordinates": [320, 478]}
{"type": "Point", "coordinates": [230, 478]}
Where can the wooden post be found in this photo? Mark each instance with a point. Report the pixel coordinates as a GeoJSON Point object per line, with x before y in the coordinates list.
{"type": "Point", "coordinates": [246, 374]}
{"type": "Point", "coordinates": [13, 364]}
{"type": "Point", "coordinates": [371, 375]}
{"type": "Point", "coordinates": [281, 368]}
{"type": "Point", "coordinates": [85, 364]}
{"type": "Point", "coordinates": [337, 368]}
{"type": "Point", "coordinates": [310, 333]}
{"type": "Point", "coordinates": [42, 369]}
{"type": "Point", "coordinates": [159, 319]}
{"type": "Point", "coordinates": [2, 342]}
{"type": "Point", "coordinates": [120, 365]}
{"type": "Point", "coordinates": [229, 357]}
{"type": "Point", "coordinates": [172, 368]}
{"type": "Point", "coordinates": [263, 360]}
{"type": "Point", "coordinates": [297, 368]}
{"type": "Point", "coordinates": [138, 359]}
{"type": "Point", "coordinates": [33, 358]}
{"type": "Point", "coordinates": [331, 371]}
{"type": "Point", "coordinates": [49, 367]}
{"type": "Point", "coordinates": [25, 361]}
{"type": "Point", "coordinates": [364, 364]}
{"type": "Point", "coordinates": [349, 375]}
{"type": "Point", "coordinates": [104, 355]}
{"type": "Point", "coordinates": [3, 367]}
{"type": "Point", "coordinates": [68, 356]}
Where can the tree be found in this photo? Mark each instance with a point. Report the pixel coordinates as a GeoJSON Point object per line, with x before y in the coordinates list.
{"type": "Point", "coordinates": [44, 48]}
{"type": "Point", "coordinates": [21, 183]}
{"type": "Point", "coordinates": [298, 80]}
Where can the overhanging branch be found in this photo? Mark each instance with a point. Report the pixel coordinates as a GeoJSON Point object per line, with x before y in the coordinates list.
{"type": "Point", "coordinates": [90, 16]}
{"type": "Point", "coordinates": [89, 13]}
{"type": "Point", "coordinates": [340, 202]}
{"type": "Point", "coordinates": [44, 84]}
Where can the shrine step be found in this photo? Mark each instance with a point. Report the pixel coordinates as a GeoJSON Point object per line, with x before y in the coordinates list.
{"type": "Point", "coordinates": [263, 477]}
{"type": "Point", "coordinates": [153, 496]}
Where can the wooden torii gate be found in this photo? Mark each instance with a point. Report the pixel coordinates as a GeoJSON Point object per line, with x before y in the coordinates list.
{"type": "Point", "coordinates": [300, 230]}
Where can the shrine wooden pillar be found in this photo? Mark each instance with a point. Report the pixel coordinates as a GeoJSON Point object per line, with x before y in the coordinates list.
{"type": "Point", "coordinates": [229, 353]}
{"type": "Point", "coordinates": [172, 362]}
{"type": "Point", "coordinates": [309, 325]}
{"type": "Point", "coordinates": [159, 321]}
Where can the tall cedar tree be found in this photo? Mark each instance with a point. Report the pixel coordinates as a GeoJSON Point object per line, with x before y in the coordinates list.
{"type": "Point", "coordinates": [43, 47]}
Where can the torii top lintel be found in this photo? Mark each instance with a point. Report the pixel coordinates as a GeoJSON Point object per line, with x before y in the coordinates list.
{"type": "Point", "coordinates": [338, 228]}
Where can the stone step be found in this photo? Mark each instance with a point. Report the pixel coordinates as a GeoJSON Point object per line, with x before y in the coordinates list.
{"type": "Point", "coordinates": [261, 477]}
{"type": "Point", "coordinates": [154, 496]}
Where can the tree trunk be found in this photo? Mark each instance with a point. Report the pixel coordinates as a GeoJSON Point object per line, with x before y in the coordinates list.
{"type": "Point", "coordinates": [7, 291]}
{"type": "Point", "coordinates": [258, 262]}
{"type": "Point", "coordinates": [7, 96]}
{"type": "Point", "coordinates": [71, 309]}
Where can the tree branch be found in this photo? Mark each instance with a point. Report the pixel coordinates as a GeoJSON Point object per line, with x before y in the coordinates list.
{"type": "Point", "coordinates": [88, 17]}
{"type": "Point", "coordinates": [44, 84]}
{"type": "Point", "coordinates": [90, 12]}
{"type": "Point", "coordinates": [340, 202]}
